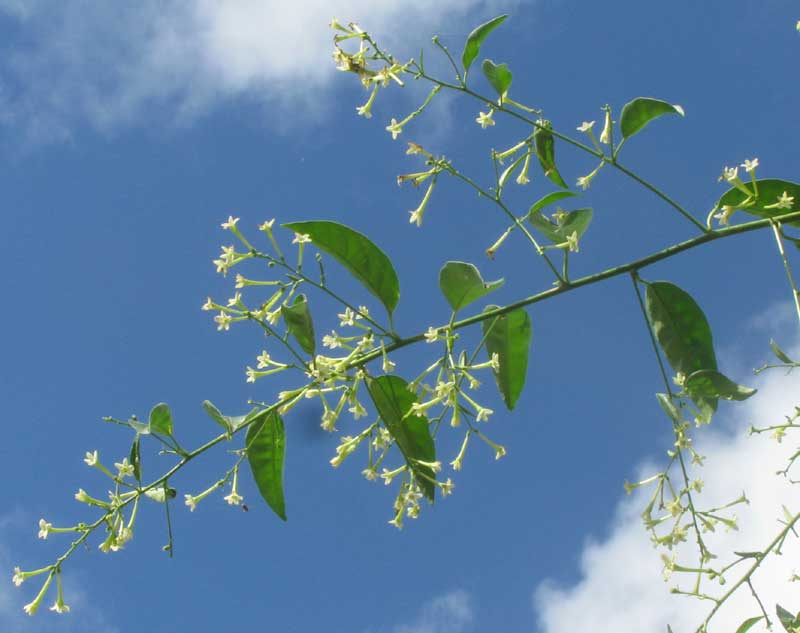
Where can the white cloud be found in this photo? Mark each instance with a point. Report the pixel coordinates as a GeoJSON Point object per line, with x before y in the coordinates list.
{"type": "Point", "coordinates": [621, 588]}
{"type": "Point", "coordinates": [112, 64]}
{"type": "Point", "coordinates": [82, 617]}
{"type": "Point", "coordinates": [449, 613]}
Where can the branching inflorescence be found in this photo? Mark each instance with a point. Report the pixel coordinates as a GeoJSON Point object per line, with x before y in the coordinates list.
{"type": "Point", "coordinates": [350, 370]}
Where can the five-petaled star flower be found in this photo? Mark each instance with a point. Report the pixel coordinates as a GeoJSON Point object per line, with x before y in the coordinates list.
{"type": "Point", "coordinates": [750, 165]}
{"type": "Point", "coordinates": [301, 238]}
{"type": "Point", "coordinates": [485, 119]}
{"type": "Point", "coordinates": [585, 126]}
{"type": "Point", "coordinates": [234, 498]}
{"type": "Point", "coordinates": [91, 458]}
{"type": "Point", "coordinates": [432, 335]}
{"type": "Point", "coordinates": [44, 528]}
{"type": "Point", "coordinates": [231, 223]}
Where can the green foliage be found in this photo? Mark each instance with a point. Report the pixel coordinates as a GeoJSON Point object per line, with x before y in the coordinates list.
{"type": "Point", "coordinates": [544, 142]}
{"type": "Point", "coordinates": [638, 113]}
{"type": "Point", "coordinates": [682, 332]}
{"type": "Point", "coordinates": [266, 452]}
{"type": "Point", "coordinates": [576, 221]}
{"type": "Point", "coordinates": [365, 261]}
{"type": "Point", "coordinates": [229, 423]}
{"type": "Point", "coordinates": [711, 384]}
{"type": "Point", "coordinates": [790, 622]}
{"type": "Point", "coordinates": [551, 198]}
{"type": "Point", "coordinates": [472, 47]}
{"type": "Point", "coordinates": [298, 321]}
{"type": "Point", "coordinates": [748, 624]}
{"type": "Point", "coordinates": [461, 284]}
{"type": "Point", "coordinates": [498, 76]}
{"type": "Point", "coordinates": [411, 432]}
{"type": "Point", "coordinates": [769, 191]}
{"type": "Point", "coordinates": [161, 419]}
{"type": "Point", "coordinates": [135, 457]}
{"type": "Point", "coordinates": [779, 353]}
{"type": "Point", "coordinates": [509, 336]}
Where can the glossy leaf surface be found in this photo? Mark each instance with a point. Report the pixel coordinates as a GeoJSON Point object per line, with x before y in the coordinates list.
{"type": "Point", "coordinates": [266, 452]}
{"type": "Point", "coordinates": [472, 47]}
{"type": "Point", "coordinates": [461, 284]}
{"type": "Point", "coordinates": [509, 336]}
{"type": "Point", "coordinates": [639, 112]}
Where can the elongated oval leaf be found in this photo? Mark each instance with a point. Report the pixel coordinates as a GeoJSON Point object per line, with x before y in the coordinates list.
{"type": "Point", "coordinates": [161, 419]}
{"type": "Point", "coordinates": [745, 626]}
{"type": "Point", "coordinates": [669, 407]}
{"type": "Point", "coordinates": [712, 384]}
{"type": "Point", "coordinates": [545, 151]}
{"type": "Point", "coordinates": [551, 198]}
{"type": "Point", "coordinates": [412, 433]}
{"type": "Point", "coordinates": [769, 191]}
{"type": "Point", "coordinates": [639, 112]}
{"type": "Point", "coordinates": [498, 75]}
{"type": "Point", "coordinates": [682, 332]}
{"type": "Point", "coordinates": [472, 47]}
{"type": "Point", "coordinates": [509, 336]}
{"type": "Point", "coordinates": [266, 451]}
{"type": "Point", "coordinates": [216, 415]}
{"type": "Point", "coordinates": [365, 261]}
{"type": "Point", "coordinates": [789, 621]}
{"type": "Point", "coordinates": [576, 221]}
{"type": "Point", "coordinates": [298, 320]}
{"type": "Point", "coordinates": [461, 284]}
{"type": "Point", "coordinates": [135, 458]}
{"type": "Point", "coordinates": [779, 353]}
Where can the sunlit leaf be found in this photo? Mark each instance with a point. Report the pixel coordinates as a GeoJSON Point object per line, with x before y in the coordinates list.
{"type": "Point", "coordinates": [217, 416]}
{"type": "Point", "coordinates": [712, 384]}
{"type": "Point", "coordinates": [544, 142]}
{"type": "Point", "coordinates": [461, 284]}
{"type": "Point", "coordinates": [682, 331]}
{"type": "Point", "coordinates": [472, 47]}
{"type": "Point", "coordinates": [498, 75]}
{"type": "Point", "coordinates": [769, 191]}
{"type": "Point", "coordinates": [576, 221]}
{"type": "Point", "coordinates": [639, 112]}
{"type": "Point", "coordinates": [365, 261]}
{"type": "Point", "coordinates": [393, 400]}
{"type": "Point", "coordinates": [789, 621]}
{"type": "Point", "coordinates": [509, 336]}
{"type": "Point", "coordinates": [161, 419]}
{"type": "Point", "coordinates": [298, 320]}
{"type": "Point", "coordinates": [266, 451]}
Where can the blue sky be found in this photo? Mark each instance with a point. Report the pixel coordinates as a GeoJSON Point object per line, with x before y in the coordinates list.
{"type": "Point", "coordinates": [127, 137]}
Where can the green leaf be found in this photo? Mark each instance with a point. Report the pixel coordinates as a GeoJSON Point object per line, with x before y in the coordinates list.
{"type": "Point", "coordinates": [365, 261]}
{"type": "Point", "coordinates": [473, 45]}
{"type": "Point", "coordinates": [789, 622]}
{"type": "Point", "coordinates": [769, 190]}
{"type": "Point", "coordinates": [214, 414]}
{"type": "Point", "coordinates": [748, 624]}
{"type": "Point", "coordinates": [682, 332]}
{"type": "Point", "coordinates": [266, 451]}
{"type": "Point", "coordinates": [576, 221]}
{"type": "Point", "coordinates": [551, 198]}
{"type": "Point", "coordinates": [461, 284]}
{"type": "Point", "coordinates": [639, 112]}
{"type": "Point", "coordinates": [135, 458]}
{"type": "Point", "coordinates": [669, 408]}
{"type": "Point", "coordinates": [779, 353]}
{"type": "Point", "coordinates": [509, 336]}
{"type": "Point", "coordinates": [298, 320]}
{"type": "Point", "coordinates": [709, 383]}
{"type": "Point", "coordinates": [498, 75]}
{"type": "Point", "coordinates": [161, 419]}
{"type": "Point", "coordinates": [545, 151]}
{"type": "Point", "coordinates": [393, 400]}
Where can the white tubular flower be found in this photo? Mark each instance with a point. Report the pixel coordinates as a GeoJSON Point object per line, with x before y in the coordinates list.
{"type": "Point", "coordinates": [263, 360]}
{"type": "Point", "coordinates": [370, 474]}
{"type": "Point", "coordinates": [724, 215]}
{"type": "Point", "coordinates": [395, 129]}
{"type": "Point", "coordinates": [357, 410]}
{"type": "Point", "coordinates": [91, 459]}
{"type": "Point", "coordinates": [230, 224]}
{"type": "Point", "coordinates": [234, 498]}
{"type": "Point", "coordinates": [347, 318]}
{"type": "Point", "coordinates": [331, 341]}
{"type": "Point", "coordinates": [432, 335]}
{"type": "Point", "coordinates": [750, 165]}
{"type": "Point", "coordinates": [82, 496]}
{"type": "Point", "coordinates": [223, 320]}
{"type": "Point", "coordinates": [785, 201]}
{"type": "Point", "coordinates": [729, 174]}
{"type": "Point", "coordinates": [190, 502]}
{"type": "Point", "coordinates": [301, 238]}
{"type": "Point", "coordinates": [447, 487]}
{"type": "Point", "coordinates": [482, 414]}
{"type": "Point", "coordinates": [572, 242]}
{"type": "Point", "coordinates": [387, 366]}
{"type": "Point", "coordinates": [485, 119]}
{"type": "Point", "coordinates": [208, 305]}
{"type": "Point", "coordinates": [235, 299]}
{"type": "Point", "coordinates": [416, 214]}
{"type": "Point", "coordinates": [585, 126]}
{"type": "Point", "coordinates": [495, 361]}
{"type": "Point", "coordinates": [605, 135]}
{"type": "Point", "coordinates": [124, 468]}
{"type": "Point", "coordinates": [44, 529]}
{"type": "Point", "coordinates": [366, 109]}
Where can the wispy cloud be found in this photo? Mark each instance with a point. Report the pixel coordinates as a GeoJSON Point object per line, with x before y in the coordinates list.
{"type": "Point", "coordinates": [449, 613]}
{"type": "Point", "coordinates": [83, 616]}
{"type": "Point", "coordinates": [106, 65]}
{"type": "Point", "coordinates": [620, 587]}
